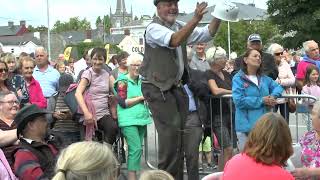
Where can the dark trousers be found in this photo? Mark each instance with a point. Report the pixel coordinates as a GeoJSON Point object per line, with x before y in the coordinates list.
{"type": "Point", "coordinates": [169, 110]}
{"type": "Point", "coordinates": [284, 110]}
{"type": "Point", "coordinates": [191, 138]}
{"type": "Point", "coordinates": [107, 130]}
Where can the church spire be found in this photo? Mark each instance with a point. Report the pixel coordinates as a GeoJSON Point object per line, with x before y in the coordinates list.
{"type": "Point", "coordinates": [121, 7]}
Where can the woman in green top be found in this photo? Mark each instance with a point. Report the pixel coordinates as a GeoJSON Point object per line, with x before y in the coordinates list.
{"type": "Point", "coordinates": [133, 114]}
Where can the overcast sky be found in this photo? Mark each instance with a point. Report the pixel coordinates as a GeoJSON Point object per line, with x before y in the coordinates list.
{"type": "Point", "coordinates": [35, 11]}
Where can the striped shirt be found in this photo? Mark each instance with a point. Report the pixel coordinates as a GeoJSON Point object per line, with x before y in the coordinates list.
{"type": "Point", "coordinates": [68, 124]}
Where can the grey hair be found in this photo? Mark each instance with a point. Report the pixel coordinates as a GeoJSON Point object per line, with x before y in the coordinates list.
{"type": "Point", "coordinates": [306, 45]}
{"type": "Point", "coordinates": [41, 49]}
{"type": "Point", "coordinates": [3, 94]}
{"type": "Point", "coordinates": [273, 47]}
{"type": "Point", "coordinates": [134, 58]}
{"type": "Point", "coordinates": [215, 53]}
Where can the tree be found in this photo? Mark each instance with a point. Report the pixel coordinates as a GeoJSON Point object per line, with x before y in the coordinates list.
{"type": "Point", "coordinates": [136, 18]}
{"type": "Point", "coordinates": [107, 23]}
{"type": "Point", "coordinates": [98, 21]}
{"type": "Point", "coordinates": [73, 24]}
{"type": "Point", "coordinates": [239, 32]}
{"type": "Point", "coordinates": [300, 18]}
{"type": "Point", "coordinates": [37, 29]}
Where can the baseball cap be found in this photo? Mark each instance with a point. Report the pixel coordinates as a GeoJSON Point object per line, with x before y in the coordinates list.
{"type": "Point", "coordinates": [254, 37]}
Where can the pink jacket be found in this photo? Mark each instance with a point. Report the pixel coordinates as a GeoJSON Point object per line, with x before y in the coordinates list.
{"type": "Point", "coordinates": [5, 169]}
{"type": "Point", "coordinates": [285, 76]}
{"type": "Point", "coordinates": [35, 94]}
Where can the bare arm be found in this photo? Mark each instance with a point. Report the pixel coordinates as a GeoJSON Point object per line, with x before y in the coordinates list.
{"type": "Point", "coordinates": [214, 26]}
{"type": "Point", "coordinates": [133, 101]}
{"type": "Point", "coordinates": [88, 117]}
{"type": "Point", "coordinates": [112, 100]}
{"type": "Point", "coordinates": [215, 90]}
{"type": "Point", "coordinates": [8, 137]}
{"type": "Point", "coordinates": [178, 37]}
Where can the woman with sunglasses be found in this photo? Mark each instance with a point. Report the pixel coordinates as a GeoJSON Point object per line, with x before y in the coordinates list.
{"type": "Point", "coordinates": [285, 78]}
{"type": "Point", "coordinates": [12, 81]}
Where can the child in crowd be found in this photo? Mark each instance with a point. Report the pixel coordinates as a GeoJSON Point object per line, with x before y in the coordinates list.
{"type": "Point", "coordinates": [205, 152]}
{"type": "Point", "coordinates": [61, 67]}
{"type": "Point", "coordinates": [64, 123]}
{"type": "Point", "coordinates": [312, 83]}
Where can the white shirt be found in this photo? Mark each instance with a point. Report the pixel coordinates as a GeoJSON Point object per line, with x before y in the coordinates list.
{"type": "Point", "coordinates": [253, 78]}
{"type": "Point", "coordinates": [78, 66]}
{"type": "Point", "coordinates": [158, 35]}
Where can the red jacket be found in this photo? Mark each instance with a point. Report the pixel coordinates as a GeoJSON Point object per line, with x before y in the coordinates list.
{"type": "Point", "coordinates": [28, 166]}
{"type": "Point", "coordinates": [35, 94]}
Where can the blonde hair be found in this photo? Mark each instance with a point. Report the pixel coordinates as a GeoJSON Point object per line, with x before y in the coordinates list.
{"type": "Point", "coordinates": [86, 160]}
{"type": "Point", "coordinates": [156, 175]}
{"type": "Point", "coordinates": [9, 58]}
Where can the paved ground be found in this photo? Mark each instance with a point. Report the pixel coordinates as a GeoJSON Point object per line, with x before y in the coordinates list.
{"type": "Point", "coordinates": [298, 126]}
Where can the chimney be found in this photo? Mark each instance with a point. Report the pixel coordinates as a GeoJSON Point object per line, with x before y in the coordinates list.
{"type": "Point", "coordinates": [88, 34]}
{"type": "Point", "coordinates": [10, 24]}
{"type": "Point", "coordinates": [22, 23]}
{"type": "Point", "coordinates": [127, 32]}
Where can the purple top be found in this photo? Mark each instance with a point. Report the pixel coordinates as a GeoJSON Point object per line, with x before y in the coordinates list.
{"type": "Point", "coordinates": [310, 153]}
{"type": "Point", "coordinates": [99, 91]}
{"type": "Point", "coordinates": [6, 172]}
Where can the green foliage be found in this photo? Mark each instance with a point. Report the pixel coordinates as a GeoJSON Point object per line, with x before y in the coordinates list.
{"type": "Point", "coordinates": [107, 23]}
{"type": "Point", "coordinates": [98, 21]}
{"type": "Point", "coordinates": [80, 48]}
{"type": "Point", "coordinates": [301, 16]}
{"type": "Point", "coordinates": [74, 23]}
{"type": "Point", "coordinates": [239, 32]}
{"type": "Point", "coordinates": [37, 29]}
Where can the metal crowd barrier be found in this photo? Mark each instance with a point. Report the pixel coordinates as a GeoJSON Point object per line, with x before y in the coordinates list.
{"type": "Point", "coordinates": [301, 118]}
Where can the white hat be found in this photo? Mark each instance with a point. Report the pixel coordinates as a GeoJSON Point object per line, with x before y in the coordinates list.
{"type": "Point", "coordinates": [226, 11]}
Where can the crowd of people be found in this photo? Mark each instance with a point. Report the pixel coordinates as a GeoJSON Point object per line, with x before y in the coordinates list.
{"type": "Point", "coordinates": [42, 136]}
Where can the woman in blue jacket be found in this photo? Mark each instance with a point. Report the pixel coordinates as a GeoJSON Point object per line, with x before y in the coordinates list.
{"type": "Point", "coordinates": [254, 94]}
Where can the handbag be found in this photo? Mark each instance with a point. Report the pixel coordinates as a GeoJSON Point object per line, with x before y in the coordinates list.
{"type": "Point", "coordinates": [71, 100]}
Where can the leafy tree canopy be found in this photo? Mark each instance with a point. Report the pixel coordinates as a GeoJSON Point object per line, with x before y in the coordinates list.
{"type": "Point", "coordinates": [239, 32]}
{"type": "Point", "coordinates": [297, 20]}
{"type": "Point", "coordinates": [74, 23]}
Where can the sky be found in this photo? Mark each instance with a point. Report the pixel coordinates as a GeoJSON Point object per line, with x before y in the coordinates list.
{"type": "Point", "coordinates": [35, 11]}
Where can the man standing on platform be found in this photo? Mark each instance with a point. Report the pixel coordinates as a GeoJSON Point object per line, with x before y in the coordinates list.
{"type": "Point", "coordinates": [164, 71]}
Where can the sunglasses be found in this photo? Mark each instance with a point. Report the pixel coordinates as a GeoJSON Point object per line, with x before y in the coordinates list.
{"type": "Point", "coordinates": [278, 54]}
{"type": "Point", "coordinates": [3, 70]}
